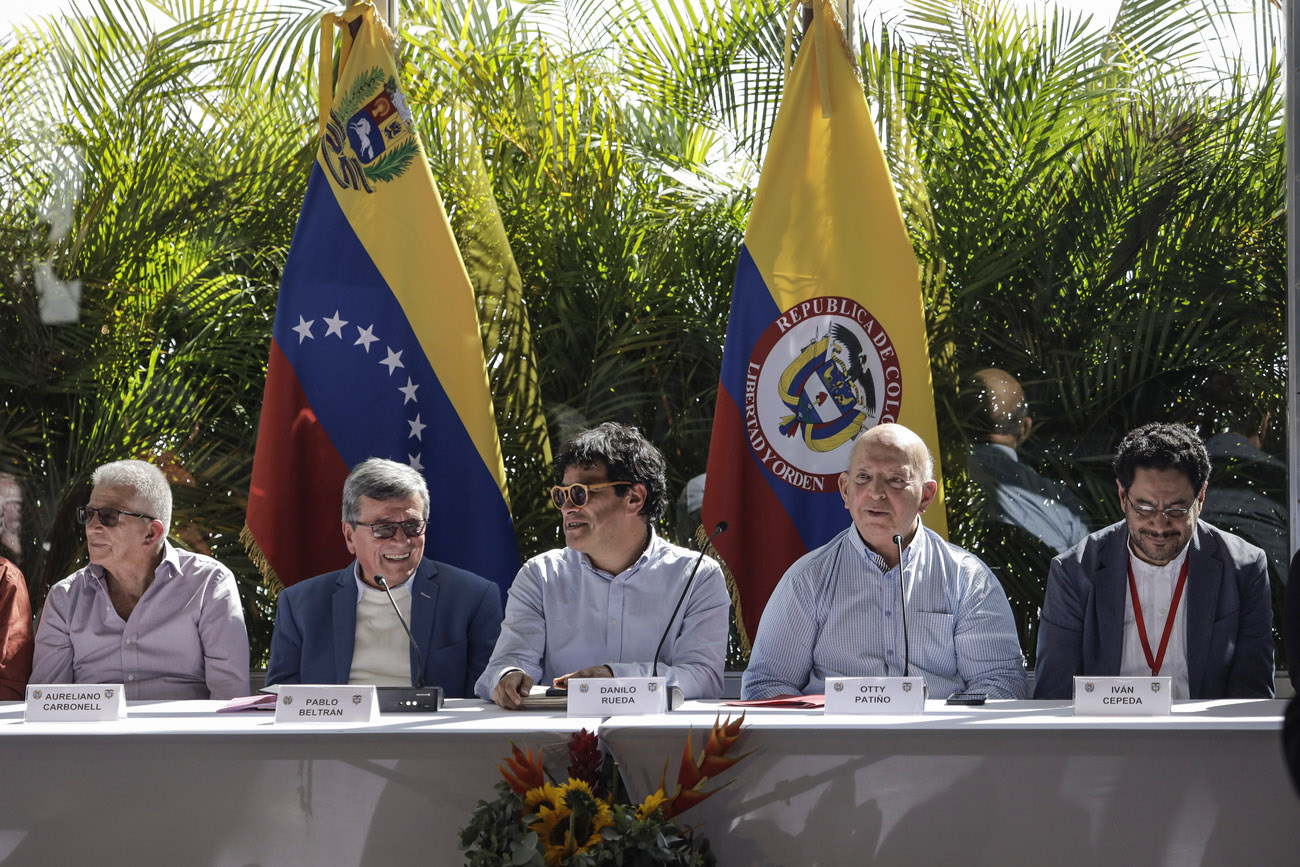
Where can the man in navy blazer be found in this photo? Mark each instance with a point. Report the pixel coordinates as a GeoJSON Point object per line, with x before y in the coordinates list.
{"type": "Point", "coordinates": [1160, 592]}
{"type": "Point", "coordinates": [340, 627]}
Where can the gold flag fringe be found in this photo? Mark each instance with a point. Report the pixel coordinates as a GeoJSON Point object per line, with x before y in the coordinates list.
{"type": "Point", "coordinates": [702, 538]}
{"type": "Point", "coordinates": [254, 550]}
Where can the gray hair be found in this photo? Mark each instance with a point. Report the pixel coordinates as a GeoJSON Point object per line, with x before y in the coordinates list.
{"type": "Point", "coordinates": [151, 488]}
{"type": "Point", "coordinates": [381, 479]}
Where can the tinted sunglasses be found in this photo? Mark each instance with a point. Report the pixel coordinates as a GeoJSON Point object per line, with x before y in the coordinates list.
{"type": "Point", "coordinates": [107, 517]}
{"type": "Point", "coordinates": [578, 493]}
{"type": "Point", "coordinates": [388, 529]}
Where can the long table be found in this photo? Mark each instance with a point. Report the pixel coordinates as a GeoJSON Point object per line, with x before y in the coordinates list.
{"type": "Point", "coordinates": [1014, 782]}
{"type": "Point", "coordinates": [1009, 783]}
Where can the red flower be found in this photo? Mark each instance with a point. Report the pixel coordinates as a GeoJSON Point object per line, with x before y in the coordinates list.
{"type": "Point", "coordinates": [585, 758]}
{"type": "Point", "coordinates": [692, 774]}
{"type": "Point", "coordinates": [528, 772]}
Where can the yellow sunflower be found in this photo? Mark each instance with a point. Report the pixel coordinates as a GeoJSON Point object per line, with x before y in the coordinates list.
{"type": "Point", "coordinates": [650, 804]}
{"type": "Point", "coordinates": [570, 821]}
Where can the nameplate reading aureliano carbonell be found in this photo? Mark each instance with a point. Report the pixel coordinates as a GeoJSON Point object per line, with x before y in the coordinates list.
{"type": "Point", "coordinates": [875, 695]}
{"type": "Point", "coordinates": [613, 696]}
{"type": "Point", "coordinates": [90, 702]}
{"type": "Point", "coordinates": [309, 703]}
{"type": "Point", "coordinates": [1123, 696]}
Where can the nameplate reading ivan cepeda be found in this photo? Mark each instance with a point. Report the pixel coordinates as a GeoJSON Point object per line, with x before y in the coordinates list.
{"type": "Point", "coordinates": [613, 696]}
{"type": "Point", "coordinates": [308, 703]}
{"type": "Point", "coordinates": [1122, 696]}
{"type": "Point", "coordinates": [89, 702]}
{"type": "Point", "coordinates": [875, 695]}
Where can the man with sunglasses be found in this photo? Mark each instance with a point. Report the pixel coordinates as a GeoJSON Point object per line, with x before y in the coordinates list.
{"type": "Point", "coordinates": [165, 623]}
{"type": "Point", "coordinates": [340, 627]}
{"type": "Point", "coordinates": [600, 606]}
{"type": "Point", "coordinates": [1159, 593]}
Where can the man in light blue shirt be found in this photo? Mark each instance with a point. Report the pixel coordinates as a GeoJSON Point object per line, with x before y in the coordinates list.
{"type": "Point", "coordinates": [835, 612]}
{"type": "Point", "coordinates": [599, 606]}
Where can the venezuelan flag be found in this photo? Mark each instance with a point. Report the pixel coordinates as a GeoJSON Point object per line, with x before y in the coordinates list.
{"type": "Point", "coordinates": [826, 336]}
{"type": "Point", "coordinates": [376, 349]}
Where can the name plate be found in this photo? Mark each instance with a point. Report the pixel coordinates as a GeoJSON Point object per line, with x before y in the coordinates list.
{"type": "Point", "coordinates": [897, 695]}
{"type": "Point", "coordinates": [308, 703]}
{"type": "Point", "coordinates": [612, 696]}
{"type": "Point", "coordinates": [1123, 696]}
{"type": "Point", "coordinates": [89, 702]}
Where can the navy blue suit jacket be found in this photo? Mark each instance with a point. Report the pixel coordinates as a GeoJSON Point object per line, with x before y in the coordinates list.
{"type": "Point", "coordinates": [455, 619]}
{"type": "Point", "coordinates": [1229, 615]}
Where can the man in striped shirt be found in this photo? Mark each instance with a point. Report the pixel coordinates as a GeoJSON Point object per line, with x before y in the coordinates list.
{"type": "Point", "coordinates": [836, 612]}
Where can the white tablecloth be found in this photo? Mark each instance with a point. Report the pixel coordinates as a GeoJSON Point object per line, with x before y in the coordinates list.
{"type": "Point", "coordinates": [1009, 783]}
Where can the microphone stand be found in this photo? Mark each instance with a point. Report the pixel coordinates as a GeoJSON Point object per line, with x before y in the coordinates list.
{"type": "Point", "coordinates": [721, 528]}
{"type": "Point", "coordinates": [902, 597]}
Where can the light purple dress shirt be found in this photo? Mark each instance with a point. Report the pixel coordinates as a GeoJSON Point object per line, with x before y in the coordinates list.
{"type": "Point", "coordinates": [185, 639]}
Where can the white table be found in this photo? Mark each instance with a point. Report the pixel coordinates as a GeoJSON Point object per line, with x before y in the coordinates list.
{"type": "Point", "coordinates": [1009, 783]}
{"type": "Point", "coordinates": [177, 784]}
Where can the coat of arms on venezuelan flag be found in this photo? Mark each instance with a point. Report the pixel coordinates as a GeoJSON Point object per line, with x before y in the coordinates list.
{"type": "Point", "coordinates": [376, 349]}
{"type": "Point", "coordinates": [826, 336]}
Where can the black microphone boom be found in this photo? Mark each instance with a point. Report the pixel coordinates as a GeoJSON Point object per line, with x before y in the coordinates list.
{"type": "Point", "coordinates": [718, 531]}
{"type": "Point", "coordinates": [902, 597]}
{"type": "Point", "coordinates": [416, 698]}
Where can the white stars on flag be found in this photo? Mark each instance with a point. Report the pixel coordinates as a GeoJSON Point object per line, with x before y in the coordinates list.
{"type": "Point", "coordinates": [417, 428]}
{"type": "Point", "coordinates": [414, 461]}
{"type": "Point", "coordinates": [393, 361]}
{"type": "Point", "coordinates": [335, 326]}
{"type": "Point", "coordinates": [408, 391]}
{"type": "Point", "coordinates": [303, 329]}
{"type": "Point", "coordinates": [366, 336]}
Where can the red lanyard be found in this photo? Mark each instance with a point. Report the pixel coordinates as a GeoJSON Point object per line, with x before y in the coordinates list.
{"type": "Point", "coordinates": [1169, 621]}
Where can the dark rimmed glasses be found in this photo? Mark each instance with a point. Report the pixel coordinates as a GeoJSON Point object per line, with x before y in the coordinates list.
{"type": "Point", "coordinates": [107, 516]}
{"type": "Point", "coordinates": [578, 493]}
{"type": "Point", "coordinates": [388, 529]}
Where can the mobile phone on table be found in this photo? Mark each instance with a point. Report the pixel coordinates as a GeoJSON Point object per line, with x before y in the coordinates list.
{"type": "Point", "coordinates": [967, 698]}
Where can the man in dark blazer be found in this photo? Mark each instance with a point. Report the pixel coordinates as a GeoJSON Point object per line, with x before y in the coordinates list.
{"type": "Point", "coordinates": [1159, 592]}
{"type": "Point", "coordinates": [340, 627]}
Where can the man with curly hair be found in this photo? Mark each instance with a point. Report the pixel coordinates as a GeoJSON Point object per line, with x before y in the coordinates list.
{"type": "Point", "coordinates": [599, 606]}
{"type": "Point", "coordinates": [1161, 592]}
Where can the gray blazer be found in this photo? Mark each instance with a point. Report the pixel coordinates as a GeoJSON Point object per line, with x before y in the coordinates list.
{"type": "Point", "coordinates": [1229, 615]}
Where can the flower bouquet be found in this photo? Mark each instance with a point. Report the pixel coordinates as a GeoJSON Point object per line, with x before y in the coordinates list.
{"type": "Point", "coordinates": [588, 820]}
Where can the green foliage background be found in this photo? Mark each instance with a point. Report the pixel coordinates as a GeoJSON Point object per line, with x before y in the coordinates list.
{"type": "Point", "coordinates": [1094, 210]}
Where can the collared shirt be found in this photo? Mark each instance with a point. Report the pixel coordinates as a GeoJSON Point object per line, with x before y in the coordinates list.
{"type": "Point", "coordinates": [185, 639]}
{"type": "Point", "coordinates": [1155, 587]}
{"type": "Point", "coordinates": [564, 614]}
{"type": "Point", "coordinates": [835, 613]}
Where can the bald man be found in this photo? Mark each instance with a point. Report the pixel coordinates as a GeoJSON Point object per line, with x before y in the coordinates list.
{"type": "Point", "coordinates": [1016, 494]}
{"type": "Point", "coordinates": [835, 612]}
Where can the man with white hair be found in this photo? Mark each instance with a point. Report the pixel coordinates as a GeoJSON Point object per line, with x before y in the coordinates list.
{"type": "Point", "coordinates": [165, 623]}
{"type": "Point", "coordinates": [836, 611]}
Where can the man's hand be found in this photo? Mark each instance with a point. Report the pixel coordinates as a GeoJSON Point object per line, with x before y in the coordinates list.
{"type": "Point", "coordinates": [594, 671]}
{"type": "Point", "coordinates": [511, 689]}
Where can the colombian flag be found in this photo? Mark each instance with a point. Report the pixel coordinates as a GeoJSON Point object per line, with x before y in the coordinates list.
{"type": "Point", "coordinates": [826, 336]}
{"type": "Point", "coordinates": [376, 349]}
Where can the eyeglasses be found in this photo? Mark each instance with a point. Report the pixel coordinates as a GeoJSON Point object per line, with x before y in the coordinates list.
{"type": "Point", "coordinates": [1144, 511]}
{"type": "Point", "coordinates": [388, 529]}
{"type": "Point", "coordinates": [578, 493]}
{"type": "Point", "coordinates": [108, 517]}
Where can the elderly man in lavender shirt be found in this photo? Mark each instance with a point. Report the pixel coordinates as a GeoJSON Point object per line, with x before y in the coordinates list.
{"type": "Point", "coordinates": [165, 623]}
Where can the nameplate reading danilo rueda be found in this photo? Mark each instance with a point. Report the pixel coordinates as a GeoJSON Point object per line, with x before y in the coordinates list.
{"type": "Point", "coordinates": [613, 696]}
{"type": "Point", "coordinates": [875, 695]}
{"type": "Point", "coordinates": [1123, 696]}
{"type": "Point", "coordinates": [311, 703]}
{"type": "Point", "coordinates": [87, 702]}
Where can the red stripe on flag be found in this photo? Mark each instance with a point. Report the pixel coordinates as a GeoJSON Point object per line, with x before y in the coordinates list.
{"type": "Point", "coordinates": [761, 541]}
{"type": "Point", "coordinates": [296, 497]}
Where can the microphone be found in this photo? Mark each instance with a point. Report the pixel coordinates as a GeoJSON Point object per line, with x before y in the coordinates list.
{"type": "Point", "coordinates": [718, 531]}
{"type": "Point", "coordinates": [902, 597]}
{"type": "Point", "coordinates": [419, 672]}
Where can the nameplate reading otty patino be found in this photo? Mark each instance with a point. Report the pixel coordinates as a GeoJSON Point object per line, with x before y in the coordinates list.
{"type": "Point", "coordinates": [89, 702]}
{"type": "Point", "coordinates": [875, 695]}
{"type": "Point", "coordinates": [308, 703]}
{"type": "Point", "coordinates": [1123, 696]}
{"type": "Point", "coordinates": [612, 696]}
